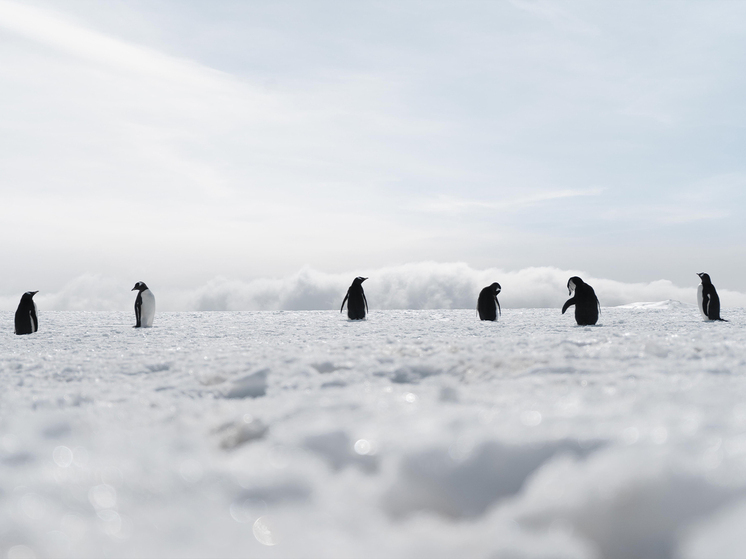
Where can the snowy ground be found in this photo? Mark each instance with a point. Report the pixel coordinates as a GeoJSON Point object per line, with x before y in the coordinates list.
{"type": "Point", "coordinates": [412, 434]}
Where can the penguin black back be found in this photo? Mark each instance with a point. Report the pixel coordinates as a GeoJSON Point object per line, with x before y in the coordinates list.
{"type": "Point", "coordinates": [357, 304]}
{"type": "Point", "coordinates": [585, 301]}
{"type": "Point", "coordinates": [707, 299]}
{"type": "Point", "coordinates": [144, 306]}
{"type": "Point", "coordinates": [26, 321]}
{"type": "Point", "coordinates": [488, 306]}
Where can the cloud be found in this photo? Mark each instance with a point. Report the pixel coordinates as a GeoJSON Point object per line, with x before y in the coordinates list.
{"type": "Point", "coordinates": [56, 31]}
{"type": "Point", "coordinates": [423, 285]}
{"type": "Point", "coordinates": [140, 146]}
{"type": "Point", "coordinates": [88, 292]}
{"type": "Point", "coordinates": [450, 204]}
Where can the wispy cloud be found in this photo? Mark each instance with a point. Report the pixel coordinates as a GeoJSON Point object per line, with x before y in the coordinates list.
{"type": "Point", "coordinates": [453, 204]}
{"type": "Point", "coordinates": [57, 31]}
{"type": "Point", "coordinates": [663, 214]}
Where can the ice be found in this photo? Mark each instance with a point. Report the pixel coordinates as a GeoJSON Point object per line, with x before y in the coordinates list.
{"type": "Point", "coordinates": [409, 434]}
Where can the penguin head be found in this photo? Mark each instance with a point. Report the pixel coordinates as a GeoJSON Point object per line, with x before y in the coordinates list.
{"type": "Point", "coordinates": [704, 277]}
{"type": "Point", "coordinates": [29, 295]}
{"type": "Point", "coordinates": [573, 283]}
{"type": "Point", "coordinates": [358, 280]}
{"type": "Point", "coordinates": [496, 288]}
{"type": "Point", "coordinates": [140, 286]}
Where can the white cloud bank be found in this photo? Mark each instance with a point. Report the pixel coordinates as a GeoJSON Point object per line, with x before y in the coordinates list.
{"type": "Point", "coordinates": [424, 285]}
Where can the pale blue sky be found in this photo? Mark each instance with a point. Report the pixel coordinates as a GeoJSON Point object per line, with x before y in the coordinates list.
{"type": "Point", "coordinates": [175, 141]}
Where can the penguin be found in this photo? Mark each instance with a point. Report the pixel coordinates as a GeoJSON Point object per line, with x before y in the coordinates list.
{"type": "Point", "coordinates": [26, 321]}
{"type": "Point", "coordinates": [707, 299]}
{"type": "Point", "coordinates": [585, 301]}
{"type": "Point", "coordinates": [357, 304]}
{"type": "Point", "coordinates": [488, 306]}
{"type": "Point", "coordinates": [144, 306]}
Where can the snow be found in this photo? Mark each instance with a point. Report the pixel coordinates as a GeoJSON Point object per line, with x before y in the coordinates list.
{"type": "Point", "coordinates": [411, 434]}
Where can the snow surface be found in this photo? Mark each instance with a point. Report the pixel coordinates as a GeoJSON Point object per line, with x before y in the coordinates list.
{"type": "Point", "coordinates": [410, 434]}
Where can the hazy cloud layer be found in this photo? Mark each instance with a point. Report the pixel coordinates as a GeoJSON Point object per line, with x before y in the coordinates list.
{"type": "Point", "coordinates": [184, 141]}
{"type": "Point", "coordinates": [424, 285]}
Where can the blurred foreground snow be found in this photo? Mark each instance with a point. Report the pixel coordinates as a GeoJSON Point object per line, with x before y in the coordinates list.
{"type": "Point", "coordinates": [412, 434]}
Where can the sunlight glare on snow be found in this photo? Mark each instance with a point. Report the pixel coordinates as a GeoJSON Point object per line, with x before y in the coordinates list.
{"type": "Point", "coordinates": [264, 531]}
{"type": "Point", "coordinates": [247, 510]}
{"type": "Point", "coordinates": [110, 522]}
{"type": "Point", "coordinates": [33, 506]}
{"type": "Point", "coordinates": [62, 456]}
{"type": "Point", "coordinates": [103, 496]}
{"type": "Point", "coordinates": [363, 447]}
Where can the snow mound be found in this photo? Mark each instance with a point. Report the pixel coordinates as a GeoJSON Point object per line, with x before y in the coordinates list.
{"type": "Point", "coordinates": [670, 304]}
{"type": "Point", "coordinates": [462, 488]}
{"type": "Point", "coordinates": [636, 511]}
{"type": "Point", "coordinates": [250, 386]}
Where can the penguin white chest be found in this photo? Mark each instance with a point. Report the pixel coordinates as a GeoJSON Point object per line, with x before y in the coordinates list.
{"type": "Point", "coordinates": [700, 303]}
{"type": "Point", "coordinates": [147, 310]}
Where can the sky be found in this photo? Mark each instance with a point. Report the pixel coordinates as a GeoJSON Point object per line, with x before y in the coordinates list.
{"type": "Point", "coordinates": [192, 144]}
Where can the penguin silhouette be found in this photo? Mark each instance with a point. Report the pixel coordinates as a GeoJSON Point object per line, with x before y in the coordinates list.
{"type": "Point", "coordinates": [707, 299]}
{"type": "Point", "coordinates": [585, 301]}
{"type": "Point", "coordinates": [144, 306]}
{"type": "Point", "coordinates": [357, 304]}
{"type": "Point", "coordinates": [26, 321]}
{"type": "Point", "coordinates": [488, 306]}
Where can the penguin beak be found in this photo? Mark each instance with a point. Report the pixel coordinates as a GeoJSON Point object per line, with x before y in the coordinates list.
{"type": "Point", "coordinates": [362, 280]}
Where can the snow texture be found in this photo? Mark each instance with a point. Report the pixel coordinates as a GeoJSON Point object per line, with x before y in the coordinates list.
{"type": "Point", "coordinates": [410, 434]}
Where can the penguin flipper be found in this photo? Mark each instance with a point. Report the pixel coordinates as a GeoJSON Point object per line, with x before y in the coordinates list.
{"type": "Point", "coordinates": [344, 301]}
{"type": "Point", "coordinates": [706, 304]}
{"type": "Point", "coordinates": [138, 310]}
{"type": "Point", "coordinates": [570, 302]}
